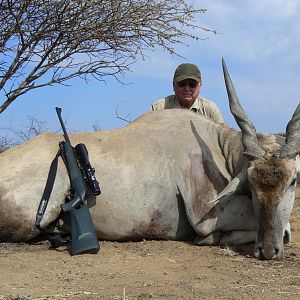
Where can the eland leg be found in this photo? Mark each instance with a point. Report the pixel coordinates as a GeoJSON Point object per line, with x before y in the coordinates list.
{"type": "Point", "coordinates": [226, 238]}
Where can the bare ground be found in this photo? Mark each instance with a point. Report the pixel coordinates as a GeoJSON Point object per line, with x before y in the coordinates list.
{"type": "Point", "coordinates": [150, 270]}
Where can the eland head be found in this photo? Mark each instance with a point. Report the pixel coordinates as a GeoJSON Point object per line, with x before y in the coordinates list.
{"type": "Point", "coordinates": [272, 178]}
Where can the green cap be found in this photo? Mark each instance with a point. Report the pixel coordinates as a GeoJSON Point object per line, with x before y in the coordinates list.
{"type": "Point", "coordinates": [187, 71]}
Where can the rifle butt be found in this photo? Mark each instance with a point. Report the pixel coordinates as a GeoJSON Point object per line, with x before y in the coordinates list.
{"type": "Point", "coordinates": [83, 234]}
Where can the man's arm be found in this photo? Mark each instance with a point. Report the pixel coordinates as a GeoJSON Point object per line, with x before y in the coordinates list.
{"type": "Point", "coordinates": [217, 116]}
{"type": "Point", "coordinates": [211, 110]}
{"type": "Point", "coordinates": [164, 103]}
{"type": "Point", "coordinates": [158, 105]}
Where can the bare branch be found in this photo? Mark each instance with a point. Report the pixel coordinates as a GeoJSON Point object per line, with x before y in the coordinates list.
{"type": "Point", "coordinates": [126, 119]}
{"type": "Point", "coordinates": [33, 128]}
{"type": "Point", "coordinates": [17, 136]}
{"type": "Point", "coordinates": [96, 126]}
{"type": "Point", "coordinates": [47, 42]}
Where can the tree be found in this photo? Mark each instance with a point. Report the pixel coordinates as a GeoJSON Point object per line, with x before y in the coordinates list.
{"type": "Point", "coordinates": [47, 42]}
{"type": "Point", "coordinates": [16, 136]}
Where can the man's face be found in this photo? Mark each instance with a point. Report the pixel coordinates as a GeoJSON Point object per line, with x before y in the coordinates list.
{"type": "Point", "coordinates": [186, 91]}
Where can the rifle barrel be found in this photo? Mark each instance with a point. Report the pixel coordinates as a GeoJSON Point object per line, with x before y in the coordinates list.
{"type": "Point", "coordinates": [58, 111]}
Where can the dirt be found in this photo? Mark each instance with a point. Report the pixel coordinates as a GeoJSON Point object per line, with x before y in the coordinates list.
{"type": "Point", "coordinates": [150, 270]}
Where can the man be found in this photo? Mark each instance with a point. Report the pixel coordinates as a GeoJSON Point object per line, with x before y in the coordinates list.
{"type": "Point", "coordinates": [187, 83]}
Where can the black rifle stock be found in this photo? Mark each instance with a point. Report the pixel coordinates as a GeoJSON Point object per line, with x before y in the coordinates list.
{"type": "Point", "coordinates": [83, 235]}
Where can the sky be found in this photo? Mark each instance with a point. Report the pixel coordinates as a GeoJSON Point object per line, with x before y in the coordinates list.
{"type": "Point", "coordinates": [259, 40]}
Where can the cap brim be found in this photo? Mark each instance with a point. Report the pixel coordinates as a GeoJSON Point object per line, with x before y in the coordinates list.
{"type": "Point", "coordinates": [184, 77]}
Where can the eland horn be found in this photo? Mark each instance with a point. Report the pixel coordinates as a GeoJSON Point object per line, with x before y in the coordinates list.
{"type": "Point", "coordinates": [292, 139]}
{"type": "Point", "coordinates": [249, 138]}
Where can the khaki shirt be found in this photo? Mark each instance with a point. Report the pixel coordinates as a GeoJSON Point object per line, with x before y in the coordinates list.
{"type": "Point", "coordinates": [201, 105]}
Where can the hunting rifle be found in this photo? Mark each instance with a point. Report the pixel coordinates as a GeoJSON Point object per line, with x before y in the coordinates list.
{"type": "Point", "coordinates": [82, 178]}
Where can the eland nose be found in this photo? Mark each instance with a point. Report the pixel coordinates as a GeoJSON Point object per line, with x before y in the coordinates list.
{"type": "Point", "coordinates": [271, 253]}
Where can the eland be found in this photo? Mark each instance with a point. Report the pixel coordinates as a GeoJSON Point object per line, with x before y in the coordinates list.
{"type": "Point", "coordinates": [172, 175]}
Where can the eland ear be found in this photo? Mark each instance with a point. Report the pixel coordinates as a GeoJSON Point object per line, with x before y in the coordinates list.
{"type": "Point", "coordinates": [236, 185]}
